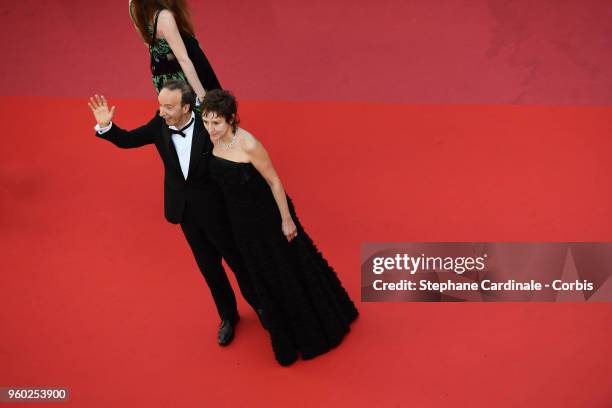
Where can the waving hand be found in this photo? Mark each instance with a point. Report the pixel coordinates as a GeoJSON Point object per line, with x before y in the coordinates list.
{"type": "Point", "coordinates": [99, 107]}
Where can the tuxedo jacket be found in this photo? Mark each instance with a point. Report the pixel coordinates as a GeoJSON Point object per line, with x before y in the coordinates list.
{"type": "Point", "coordinates": [198, 187]}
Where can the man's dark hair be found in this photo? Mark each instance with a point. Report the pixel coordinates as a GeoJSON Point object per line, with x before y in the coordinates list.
{"type": "Point", "coordinates": [223, 104]}
{"type": "Point", "coordinates": [188, 96]}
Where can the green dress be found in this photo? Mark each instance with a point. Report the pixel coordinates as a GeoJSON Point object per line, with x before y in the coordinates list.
{"type": "Point", "coordinates": [165, 66]}
{"type": "Point", "coordinates": [160, 49]}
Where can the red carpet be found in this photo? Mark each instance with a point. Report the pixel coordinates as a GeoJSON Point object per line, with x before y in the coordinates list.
{"type": "Point", "coordinates": [451, 51]}
{"type": "Point", "coordinates": [394, 121]}
{"type": "Point", "coordinates": [102, 296]}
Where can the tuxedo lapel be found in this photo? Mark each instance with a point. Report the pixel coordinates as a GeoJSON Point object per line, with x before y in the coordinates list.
{"type": "Point", "coordinates": [199, 142]}
{"type": "Point", "coordinates": [171, 150]}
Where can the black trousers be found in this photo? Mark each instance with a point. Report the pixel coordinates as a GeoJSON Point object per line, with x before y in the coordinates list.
{"type": "Point", "coordinates": [210, 238]}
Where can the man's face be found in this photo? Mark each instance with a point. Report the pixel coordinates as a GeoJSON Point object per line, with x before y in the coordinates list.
{"type": "Point", "coordinates": [170, 106]}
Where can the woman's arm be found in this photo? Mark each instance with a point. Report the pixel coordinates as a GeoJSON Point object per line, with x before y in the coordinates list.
{"type": "Point", "coordinates": [258, 156]}
{"type": "Point", "coordinates": [167, 29]}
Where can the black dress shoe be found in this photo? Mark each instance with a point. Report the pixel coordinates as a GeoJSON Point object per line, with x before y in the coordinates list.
{"type": "Point", "coordinates": [226, 331]}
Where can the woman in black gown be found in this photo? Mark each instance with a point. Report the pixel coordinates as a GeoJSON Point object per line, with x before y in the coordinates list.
{"type": "Point", "coordinates": [304, 306]}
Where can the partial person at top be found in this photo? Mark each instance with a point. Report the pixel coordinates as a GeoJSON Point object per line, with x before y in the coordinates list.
{"type": "Point", "coordinates": [165, 27]}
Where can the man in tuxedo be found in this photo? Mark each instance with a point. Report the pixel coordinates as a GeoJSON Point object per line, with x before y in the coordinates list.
{"type": "Point", "coordinates": [191, 198]}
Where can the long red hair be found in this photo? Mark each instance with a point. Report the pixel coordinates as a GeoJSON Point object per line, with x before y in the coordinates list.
{"type": "Point", "coordinates": [142, 12]}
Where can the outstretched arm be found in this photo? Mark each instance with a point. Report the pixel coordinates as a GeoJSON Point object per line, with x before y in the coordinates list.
{"type": "Point", "coordinates": [119, 137]}
{"type": "Point", "coordinates": [167, 28]}
{"type": "Point", "coordinates": [261, 161]}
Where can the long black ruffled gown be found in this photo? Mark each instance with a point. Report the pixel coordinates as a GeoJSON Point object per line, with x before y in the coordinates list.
{"type": "Point", "coordinates": [305, 308]}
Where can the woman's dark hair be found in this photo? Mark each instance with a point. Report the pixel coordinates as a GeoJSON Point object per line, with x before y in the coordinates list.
{"type": "Point", "coordinates": [142, 12]}
{"type": "Point", "coordinates": [222, 103]}
{"type": "Point", "coordinates": [188, 96]}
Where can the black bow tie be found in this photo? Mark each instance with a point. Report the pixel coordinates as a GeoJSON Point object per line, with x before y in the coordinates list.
{"type": "Point", "coordinates": [181, 130]}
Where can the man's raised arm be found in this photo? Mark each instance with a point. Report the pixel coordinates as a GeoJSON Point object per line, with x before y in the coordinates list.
{"type": "Point", "coordinates": [105, 128]}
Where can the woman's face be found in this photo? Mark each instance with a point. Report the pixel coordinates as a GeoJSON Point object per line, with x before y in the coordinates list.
{"type": "Point", "coordinates": [216, 125]}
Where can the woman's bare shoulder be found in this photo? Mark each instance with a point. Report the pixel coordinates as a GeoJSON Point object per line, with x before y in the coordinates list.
{"type": "Point", "coordinates": [248, 141]}
{"type": "Point", "coordinates": [165, 17]}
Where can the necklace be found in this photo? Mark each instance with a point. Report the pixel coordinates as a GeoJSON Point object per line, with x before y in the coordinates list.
{"type": "Point", "coordinates": [230, 144]}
